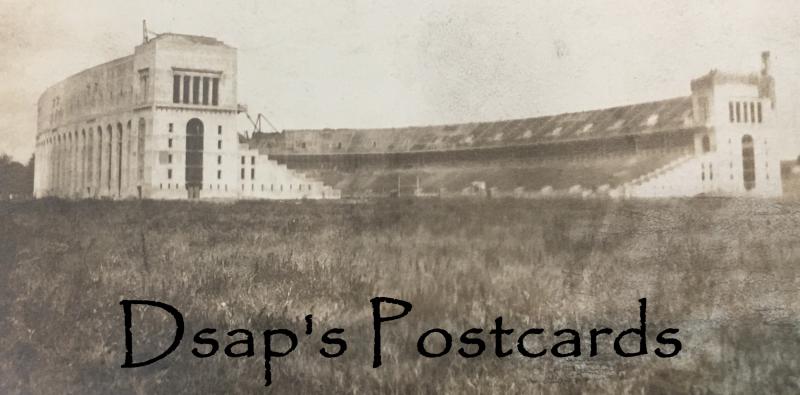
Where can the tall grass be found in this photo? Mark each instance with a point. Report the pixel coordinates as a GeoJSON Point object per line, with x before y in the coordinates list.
{"type": "Point", "coordinates": [723, 271]}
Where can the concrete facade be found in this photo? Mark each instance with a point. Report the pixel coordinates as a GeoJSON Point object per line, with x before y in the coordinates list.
{"type": "Point", "coordinates": [161, 124]}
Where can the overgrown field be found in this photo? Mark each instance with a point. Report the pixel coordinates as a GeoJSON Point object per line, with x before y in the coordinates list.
{"type": "Point", "coordinates": [725, 272]}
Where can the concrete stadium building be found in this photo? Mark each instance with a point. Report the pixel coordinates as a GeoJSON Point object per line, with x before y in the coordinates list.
{"type": "Point", "coordinates": [160, 124]}
{"type": "Point", "coordinates": [723, 139]}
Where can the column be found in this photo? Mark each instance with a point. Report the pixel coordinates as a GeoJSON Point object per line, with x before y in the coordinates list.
{"type": "Point", "coordinates": [108, 152]}
{"type": "Point", "coordinates": [73, 144]}
{"type": "Point", "coordinates": [82, 184]}
{"type": "Point", "coordinates": [99, 163]}
{"type": "Point", "coordinates": [76, 158]}
{"type": "Point", "coordinates": [89, 186]}
{"type": "Point", "coordinates": [117, 177]}
{"type": "Point", "coordinates": [56, 158]}
{"type": "Point", "coordinates": [49, 170]}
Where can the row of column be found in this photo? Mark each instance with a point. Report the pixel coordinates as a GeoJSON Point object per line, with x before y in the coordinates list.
{"type": "Point", "coordinates": [195, 90]}
{"type": "Point", "coordinates": [91, 162]}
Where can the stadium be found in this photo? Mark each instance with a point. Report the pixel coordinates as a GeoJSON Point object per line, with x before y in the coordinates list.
{"type": "Point", "coordinates": [162, 124]}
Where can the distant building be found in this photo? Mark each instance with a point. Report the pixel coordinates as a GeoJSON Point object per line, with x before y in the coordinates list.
{"type": "Point", "coordinates": [722, 140]}
{"type": "Point", "coordinates": [161, 124]}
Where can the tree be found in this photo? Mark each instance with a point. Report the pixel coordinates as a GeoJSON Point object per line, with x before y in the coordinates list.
{"type": "Point", "coordinates": [16, 179]}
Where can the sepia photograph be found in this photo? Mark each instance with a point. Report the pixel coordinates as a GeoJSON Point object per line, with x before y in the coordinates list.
{"type": "Point", "coordinates": [400, 197]}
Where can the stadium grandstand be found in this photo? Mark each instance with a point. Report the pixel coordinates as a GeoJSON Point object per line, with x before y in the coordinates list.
{"type": "Point", "coordinates": [715, 142]}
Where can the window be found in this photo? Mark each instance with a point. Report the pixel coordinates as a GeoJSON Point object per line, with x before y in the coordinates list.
{"type": "Point", "coordinates": [219, 129]}
{"type": "Point", "coordinates": [205, 91]}
{"type": "Point", "coordinates": [144, 84]}
{"type": "Point", "coordinates": [730, 111]}
{"type": "Point", "coordinates": [176, 89]}
{"type": "Point", "coordinates": [706, 144]}
{"type": "Point", "coordinates": [702, 171]}
{"type": "Point", "coordinates": [169, 174]}
{"type": "Point", "coordinates": [243, 160]}
{"type": "Point", "coordinates": [252, 174]}
{"type": "Point", "coordinates": [194, 153]}
{"type": "Point", "coordinates": [169, 158]}
{"type": "Point", "coordinates": [738, 112]}
{"type": "Point", "coordinates": [169, 143]}
{"type": "Point", "coordinates": [219, 144]}
{"type": "Point", "coordinates": [703, 109]}
{"type": "Point", "coordinates": [243, 173]}
{"type": "Point", "coordinates": [758, 108]}
{"type": "Point", "coordinates": [271, 187]}
{"type": "Point", "coordinates": [186, 82]}
{"type": "Point", "coordinates": [219, 176]}
{"type": "Point", "coordinates": [196, 90]}
{"type": "Point", "coordinates": [252, 160]}
{"type": "Point", "coordinates": [170, 128]}
{"type": "Point", "coordinates": [746, 113]}
{"type": "Point", "coordinates": [215, 91]}
{"type": "Point", "coordinates": [219, 159]}
{"type": "Point", "coordinates": [748, 163]}
{"type": "Point", "coordinates": [752, 112]}
{"type": "Point", "coordinates": [710, 171]}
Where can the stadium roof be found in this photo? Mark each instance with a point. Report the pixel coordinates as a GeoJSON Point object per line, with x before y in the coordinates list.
{"type": "Point", "coordinates": [645, 118]}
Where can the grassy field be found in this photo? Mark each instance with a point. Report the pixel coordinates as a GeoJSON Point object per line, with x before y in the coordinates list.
{"type": "Point", "coordinates": [726, 272]}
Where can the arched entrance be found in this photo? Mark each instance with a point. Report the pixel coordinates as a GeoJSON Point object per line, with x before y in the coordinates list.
{"type": "Point", "coordinates": [194, 157]}
{"type": "Point", "coordinates": [748, 163]}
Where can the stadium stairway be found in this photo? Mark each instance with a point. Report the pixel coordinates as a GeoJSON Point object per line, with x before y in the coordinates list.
{"type": "Point", "coordinates": [672, 179]}
{"type": "Point", "coordinates": [272, 180]}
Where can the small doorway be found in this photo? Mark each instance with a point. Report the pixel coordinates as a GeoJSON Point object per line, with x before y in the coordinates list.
{"type": "Point", "coordinates": [193, 192]}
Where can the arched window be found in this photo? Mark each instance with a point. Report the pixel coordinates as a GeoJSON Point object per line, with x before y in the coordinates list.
{"type": "Point", "coordinates": [118, 174]}
{"type": "Point", "coordinates": [100, 151]}
{"type": "Point", "coordinates": [83, 159]}
{"type": "Point", "coordinates": [194, 157]}
{"type": "Point", "coordinates": [89, 161]}
{"type": "Point", "coordinates": [706, 144]}
{"type": "Point", "coordinates": [129, 144]}
{"type": "Point", "coordinates": [748, 163]}
{"type": "Point", "coordinates": [110, 151]}
{"type": "Point", "coordinates": [140, 150]}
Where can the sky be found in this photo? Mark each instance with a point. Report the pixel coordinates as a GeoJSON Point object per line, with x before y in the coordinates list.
{"type": "Point", "coordinates": [358, 63]}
